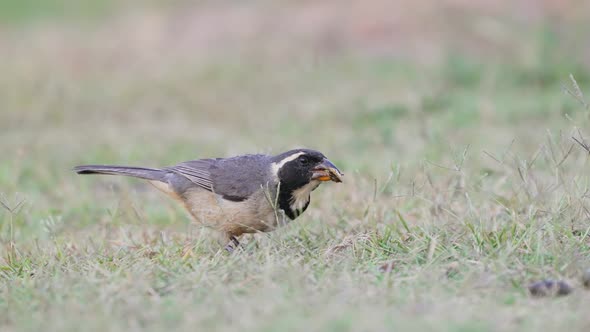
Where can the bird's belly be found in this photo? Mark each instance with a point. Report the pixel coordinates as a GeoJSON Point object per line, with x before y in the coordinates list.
{"type": "Point", "coordinates": [249, 216]}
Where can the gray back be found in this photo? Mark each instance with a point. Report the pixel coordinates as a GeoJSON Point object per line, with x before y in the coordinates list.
{"type": "Point", "coordinates": [234, 178]}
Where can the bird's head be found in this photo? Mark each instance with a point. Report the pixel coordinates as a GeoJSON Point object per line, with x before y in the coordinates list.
{"type": "Point", "coordinates": [297, 168]}
{"type": "Point", "coordinates": [299, 172]}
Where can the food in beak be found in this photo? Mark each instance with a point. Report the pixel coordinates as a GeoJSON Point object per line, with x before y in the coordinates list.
{"type": "Point", "coordinates": [326, 171]}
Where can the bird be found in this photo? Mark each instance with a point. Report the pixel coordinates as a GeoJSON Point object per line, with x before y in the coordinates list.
{"type": "Point", "coordinates": [238, 195]}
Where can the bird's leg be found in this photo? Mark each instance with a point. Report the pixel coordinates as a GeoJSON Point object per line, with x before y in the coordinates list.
{"type": "Point", "coordinates": [233, 244]}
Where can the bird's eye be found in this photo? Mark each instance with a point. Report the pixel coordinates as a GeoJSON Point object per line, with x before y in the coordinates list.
{"type": "Point", "coordinates": [303, 160]}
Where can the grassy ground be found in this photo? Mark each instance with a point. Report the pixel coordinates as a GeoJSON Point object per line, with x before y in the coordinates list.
{"type": "Point", "coordinates": [463, 184]}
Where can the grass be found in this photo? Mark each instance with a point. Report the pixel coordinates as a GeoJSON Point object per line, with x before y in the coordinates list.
{"type": "Point", "coordinates": [463, 184]}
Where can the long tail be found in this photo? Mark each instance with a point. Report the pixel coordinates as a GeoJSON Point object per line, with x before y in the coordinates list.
{"type": "Point", "coordinates": [138, 172]}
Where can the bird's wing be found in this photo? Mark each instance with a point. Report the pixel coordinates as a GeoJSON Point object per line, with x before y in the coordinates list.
{"type": "Point", "coordinates": [196, 171]}
{"type": "Point", "coordinates": [234, 178]}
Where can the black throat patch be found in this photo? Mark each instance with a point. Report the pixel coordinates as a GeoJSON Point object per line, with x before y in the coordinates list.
{"type": "Point", "coordinates": [284, 202]}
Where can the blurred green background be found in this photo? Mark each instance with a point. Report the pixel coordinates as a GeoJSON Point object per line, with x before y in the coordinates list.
{"type": "Point", "coordinates": [381, 87]}
{"type": "Point", "coordinates": [373, 83]}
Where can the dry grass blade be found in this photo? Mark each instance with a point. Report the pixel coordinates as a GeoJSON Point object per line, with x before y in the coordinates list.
{"type": "Point", "coordinates": [576, 93]}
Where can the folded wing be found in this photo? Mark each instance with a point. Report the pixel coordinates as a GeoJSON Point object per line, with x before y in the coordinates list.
{"type": "Point", "coordinates": [235, 178]}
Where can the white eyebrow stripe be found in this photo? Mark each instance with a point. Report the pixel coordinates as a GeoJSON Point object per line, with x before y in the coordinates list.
{"type": "Point", "coordinates": [275, 167]}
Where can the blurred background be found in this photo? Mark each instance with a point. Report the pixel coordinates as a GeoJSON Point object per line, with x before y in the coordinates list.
{"type": "Point", "coordinates": [372, 84]}
{"type": "Point", "coordinates": [448, 118]}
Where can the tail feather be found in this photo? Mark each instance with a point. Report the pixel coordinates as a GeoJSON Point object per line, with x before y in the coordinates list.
{"type": "Point", "coordinates": [138, 172]}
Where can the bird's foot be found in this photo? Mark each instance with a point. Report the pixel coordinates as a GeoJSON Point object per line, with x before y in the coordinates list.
{"type": "Point", "coordinates": [232, 245]}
